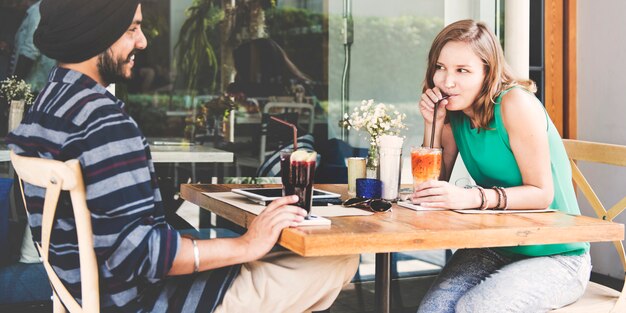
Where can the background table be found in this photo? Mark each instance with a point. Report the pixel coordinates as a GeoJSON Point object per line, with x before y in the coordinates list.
{"type": "Point", "coordinates": [404, 230]}
{"type": "Point", "coordinates": [182, 152]}
{"type": "Point", "coordinates": [169, 153]}
{"type": "Point", "coordinates": [173, 150]}
{"type": "Point", "coordinates": [4, 153]}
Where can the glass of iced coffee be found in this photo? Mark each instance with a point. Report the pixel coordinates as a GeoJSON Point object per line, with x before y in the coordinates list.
{"type": "Point", "coordinates": [301, 174]}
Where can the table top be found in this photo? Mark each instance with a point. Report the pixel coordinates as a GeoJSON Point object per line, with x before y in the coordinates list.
{"type": "Point", "coordinates": [405, 229]}
{"type": "Point", "coordinates": [169, 150]}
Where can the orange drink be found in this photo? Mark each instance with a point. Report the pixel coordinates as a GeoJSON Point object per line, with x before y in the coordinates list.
{"type": "Point", "coordinates": [425, 164]}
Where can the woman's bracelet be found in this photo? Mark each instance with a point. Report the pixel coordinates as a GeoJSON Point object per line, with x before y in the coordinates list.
{"type": "Point", "coordinates": [484, 202]}
{"type": "Point", "coordinates": [500, 197]}
{"type": "Point", "coordinates": [505, 202]}
{"type": "Point", "coordinates": [196, 256]}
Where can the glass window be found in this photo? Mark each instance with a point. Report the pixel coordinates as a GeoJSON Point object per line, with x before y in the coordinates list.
{"type": "Point", "coordinates": [212, 67]}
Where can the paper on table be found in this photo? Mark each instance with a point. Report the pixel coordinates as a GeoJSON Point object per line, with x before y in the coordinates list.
{"type": "Point", "coordinates": [243, 203]}
{"type": "Point", "coordinates": [417, 207]}
{"type": "Point", "coordinates": [338, 210]}
{"type": "Point", "coordinates": [503, 211]}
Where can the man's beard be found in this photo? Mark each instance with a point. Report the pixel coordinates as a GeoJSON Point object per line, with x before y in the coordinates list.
{"type": "Point", "coordinates": [111, 70]}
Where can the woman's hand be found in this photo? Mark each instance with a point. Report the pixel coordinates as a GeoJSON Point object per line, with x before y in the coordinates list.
{"type": "Point", "coordinates": [264, 230]}
{"type": "Point", "coordinates": [441, 194]}
{"type": "Point", "coordinates": [427, 106]}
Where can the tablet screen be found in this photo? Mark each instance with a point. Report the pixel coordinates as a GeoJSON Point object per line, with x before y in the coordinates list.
{"type": "Point", "coordinates": [268, 194]}
{"type": "Point", "coordinates": [278, 192]}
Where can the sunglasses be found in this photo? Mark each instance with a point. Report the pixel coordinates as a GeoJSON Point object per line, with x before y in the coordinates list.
{"type": "Point", "coordinates": [376, 205]}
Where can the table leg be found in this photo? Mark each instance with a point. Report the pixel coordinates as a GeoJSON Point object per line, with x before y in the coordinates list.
{"type": "Point", "coordinates": [193, 173]}
{"type": "Point", "coordinates": [383, 282]}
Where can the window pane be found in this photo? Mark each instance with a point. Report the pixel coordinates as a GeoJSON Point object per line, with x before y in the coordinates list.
{"type": "Point", "coordinates": [388, 57]}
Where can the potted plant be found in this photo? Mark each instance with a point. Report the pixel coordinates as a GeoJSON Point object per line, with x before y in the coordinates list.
{"type": "Point", "coordinates": [19, 96]}
{"type": "Point", "coordinates": [216, 117]}
{"type": "Point", "coordinates": [195, 54]}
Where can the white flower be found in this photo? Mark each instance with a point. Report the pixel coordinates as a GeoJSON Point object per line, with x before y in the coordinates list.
{"type": "Point", "coordinates": [16, 89]}
{"type": "Point", "coordinates": [375, 119]}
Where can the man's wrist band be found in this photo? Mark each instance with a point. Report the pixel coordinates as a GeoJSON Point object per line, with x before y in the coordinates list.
{"type": "Point", "coordinates": [196, 256]}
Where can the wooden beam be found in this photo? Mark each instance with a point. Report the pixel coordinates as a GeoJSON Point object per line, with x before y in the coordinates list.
{"type": "Point", "coordinates": [571, 71]}
{"type": "Point", "coordinates": [553, 55]}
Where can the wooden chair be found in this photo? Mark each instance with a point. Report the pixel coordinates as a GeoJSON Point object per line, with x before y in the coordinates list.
{"type": "Point", "coordinates": [56, 176]}
{"type": "Point", "coordinates": [598, 298]}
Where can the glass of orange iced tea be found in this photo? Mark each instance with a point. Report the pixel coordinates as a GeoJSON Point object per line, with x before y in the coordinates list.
{"type": "Point", "coordinates": [425, 164]}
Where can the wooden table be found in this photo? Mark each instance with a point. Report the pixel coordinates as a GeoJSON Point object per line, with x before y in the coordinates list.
{"type": "Point", "coordinates": [406, 230]}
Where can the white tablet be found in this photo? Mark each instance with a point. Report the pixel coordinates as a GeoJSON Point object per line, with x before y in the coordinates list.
{"type": "Point", "coordinates": [266, 195]}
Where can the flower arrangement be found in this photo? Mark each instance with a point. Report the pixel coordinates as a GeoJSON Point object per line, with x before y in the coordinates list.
{"type": "Point", "coordinates": [375, 119]}
{"type": "Point", "coordinates": [14, 89]}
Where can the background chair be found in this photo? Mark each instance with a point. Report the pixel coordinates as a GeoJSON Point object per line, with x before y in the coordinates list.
{"type": "Point", "coordinates": [56, 176]}
{"type": "Point", "coordinates": [598, 298]}
{"type": "Point", "coordinates": [300, 110]}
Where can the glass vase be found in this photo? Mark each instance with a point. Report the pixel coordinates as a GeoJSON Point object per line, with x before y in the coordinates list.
{"type": "Point", "coordinates": [372, 161]}
{"type": "Point", "coordinates": [16, 112]}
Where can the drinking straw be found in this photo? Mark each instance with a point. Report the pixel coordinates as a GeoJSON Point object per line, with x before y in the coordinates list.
{"type": "Point", "coordinates": [295, 131]}
{"type": "Point", "coordinates": [432, 132]}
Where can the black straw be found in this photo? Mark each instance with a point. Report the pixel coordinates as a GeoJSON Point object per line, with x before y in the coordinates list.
{"type": "Point", "coordinates": [432, 132]}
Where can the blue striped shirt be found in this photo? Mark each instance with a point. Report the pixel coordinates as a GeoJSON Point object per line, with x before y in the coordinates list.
{"type": "Point", "coordinates": [76, 118]}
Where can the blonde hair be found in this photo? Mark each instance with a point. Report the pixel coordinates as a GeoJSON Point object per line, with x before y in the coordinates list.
{"type": "Point", "coordinates": [498, 74]}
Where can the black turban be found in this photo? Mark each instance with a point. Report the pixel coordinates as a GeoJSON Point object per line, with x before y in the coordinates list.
{"type": "Point", "coordinates": [72, 31]}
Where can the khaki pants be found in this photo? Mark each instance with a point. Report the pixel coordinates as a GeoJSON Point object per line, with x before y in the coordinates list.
{"type": "Point", "coordinates": [285, 282]}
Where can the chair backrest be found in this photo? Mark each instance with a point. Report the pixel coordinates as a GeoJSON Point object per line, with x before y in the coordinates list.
{"type": "Point", "coordinates": [610, 154]}
{"type": "Point", "coordinates": [303, 109]}
{"type": "Point", "coordinates": [56, 176]}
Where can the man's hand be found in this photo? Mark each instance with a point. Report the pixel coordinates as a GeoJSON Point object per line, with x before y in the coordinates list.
{"type": "Point", "coordinates": [264, 230]}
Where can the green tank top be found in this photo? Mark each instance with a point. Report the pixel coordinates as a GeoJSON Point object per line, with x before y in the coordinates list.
{"type": "Point", "coordinates": [489, 160]}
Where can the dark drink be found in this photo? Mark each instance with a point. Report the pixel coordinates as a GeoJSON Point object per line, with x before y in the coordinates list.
{"type": "Point", "coordinates": [301, 174]}
{"type": "Point", "coordinates": [285, 165]}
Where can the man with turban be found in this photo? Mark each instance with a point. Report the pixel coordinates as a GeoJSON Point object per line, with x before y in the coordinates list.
{"type": "Point", "coordinates": [144, 264]}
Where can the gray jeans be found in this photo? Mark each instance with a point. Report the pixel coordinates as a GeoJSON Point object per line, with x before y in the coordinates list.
{"type": "Point", "coordinates": [483, 280]}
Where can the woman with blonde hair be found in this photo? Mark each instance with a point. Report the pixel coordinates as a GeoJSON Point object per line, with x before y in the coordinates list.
{"type": "Point", "coordinates": [513, 151]}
